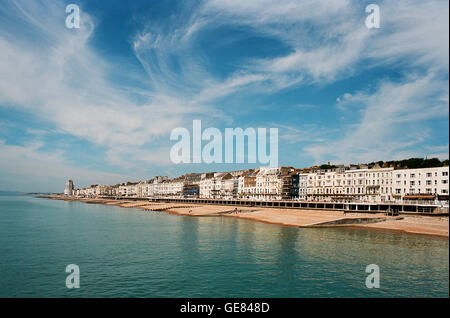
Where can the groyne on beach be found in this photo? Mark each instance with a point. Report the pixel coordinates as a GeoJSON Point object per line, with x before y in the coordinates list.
{"type": "Point", "coordinates": [418, 224]}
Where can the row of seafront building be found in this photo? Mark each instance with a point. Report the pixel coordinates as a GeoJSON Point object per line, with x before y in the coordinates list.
{"type": "Point", "coordinates": [346, 184]}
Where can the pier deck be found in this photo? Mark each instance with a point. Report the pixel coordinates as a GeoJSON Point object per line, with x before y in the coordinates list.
{"type": "Point", "coordinates": [391, 208]}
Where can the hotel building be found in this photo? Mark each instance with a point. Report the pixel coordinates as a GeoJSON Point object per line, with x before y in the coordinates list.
{"type": "Point", "coordinates": [421, 184]}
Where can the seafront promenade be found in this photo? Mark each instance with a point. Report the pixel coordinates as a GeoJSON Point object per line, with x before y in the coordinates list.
{"type": "Point", "coordinates": [296, 217]}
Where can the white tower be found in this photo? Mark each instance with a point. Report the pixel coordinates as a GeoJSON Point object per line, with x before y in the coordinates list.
{"type": "Point", "coordinates": [69, 188]}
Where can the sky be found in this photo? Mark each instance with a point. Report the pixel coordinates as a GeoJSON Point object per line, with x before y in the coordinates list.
{"type": "Point", "coordinates": [97, 104]}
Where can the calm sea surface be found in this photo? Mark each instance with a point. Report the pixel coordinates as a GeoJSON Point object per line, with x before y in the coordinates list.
{"type": "Point", "coordinates": [133, 253]}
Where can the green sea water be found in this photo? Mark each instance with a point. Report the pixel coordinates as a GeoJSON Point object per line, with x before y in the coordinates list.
{"type": "Point", "coordinates": [134, 253]}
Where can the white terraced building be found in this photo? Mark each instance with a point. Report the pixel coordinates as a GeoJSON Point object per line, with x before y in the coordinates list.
{"type": "Point", "coordinates": [325, 186]}
{"type": "Point", "coordinates": [377, 185]}
{"type": "Point", "coordinates": [213, 185]}
{"type": "Point", "coordinates": [421, 184]}
{"type": "Point", "coordinates": [268, 185]}
{"type": "Point", "coordinates": [128, 190]}
{"type": "Point", "coordinates": [207, 183]}
{"type": "Point", "coordinates": [247, 184]}
{"type": "Point", "coordinates": [302, 186]}
{"type": "Point", "coordinates": [174, 188]}
{"type": "Point", "coordinates": [260, 184]}
{"type": "Point", "coordinates": [229, 187]}
{"type": "Point", "coordinates": [354, 185]}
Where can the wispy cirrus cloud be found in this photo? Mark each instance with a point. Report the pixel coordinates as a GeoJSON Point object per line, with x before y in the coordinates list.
{"type": "Point", "coordinates": [330, 40]}
{"type": "Point", "coordinates": [68, 83]}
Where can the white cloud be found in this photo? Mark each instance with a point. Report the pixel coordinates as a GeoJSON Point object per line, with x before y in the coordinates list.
{"type": "Point", "coordinates": [304, 133]}
{"type": "Point", "coordinates": [417, 30]}
{"type": "Point", "coordinates": [389, 125]}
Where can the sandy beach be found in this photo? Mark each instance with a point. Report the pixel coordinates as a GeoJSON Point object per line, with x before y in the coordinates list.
{"type": "Point", "coordinates": [427, 225]}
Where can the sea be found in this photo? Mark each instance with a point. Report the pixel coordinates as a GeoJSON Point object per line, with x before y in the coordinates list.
{"type": "Point", "coordinates": [126, 252]}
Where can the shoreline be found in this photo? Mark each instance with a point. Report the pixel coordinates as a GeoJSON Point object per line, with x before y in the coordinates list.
{"type": "Point", "coordinates": [300, 218]}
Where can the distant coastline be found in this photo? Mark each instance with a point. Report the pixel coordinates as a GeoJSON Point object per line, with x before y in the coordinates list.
{"type": "Point", "coordinates": [4, 192]}
{"type": "Point", "coordinates": [8, 192]}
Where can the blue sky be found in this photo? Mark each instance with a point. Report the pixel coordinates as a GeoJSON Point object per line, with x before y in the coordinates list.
{"type": "Point", "coordinates": [97, 104]}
